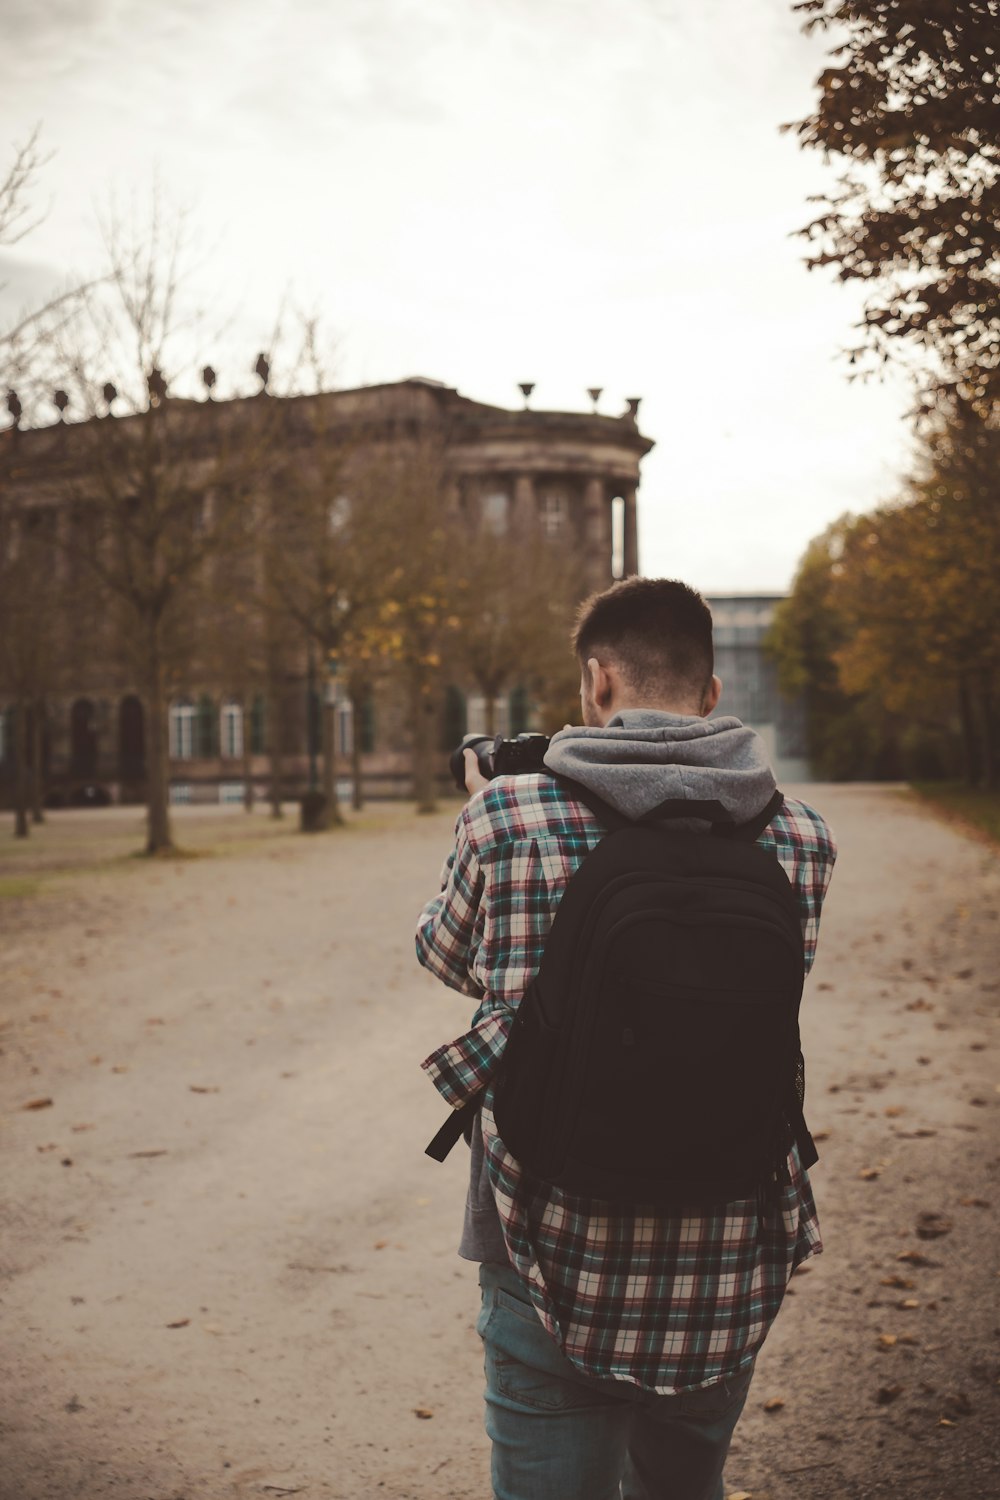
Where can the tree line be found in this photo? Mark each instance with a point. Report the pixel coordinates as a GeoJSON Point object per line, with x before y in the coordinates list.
{"type": "Point", "coordinates": [892, 629]}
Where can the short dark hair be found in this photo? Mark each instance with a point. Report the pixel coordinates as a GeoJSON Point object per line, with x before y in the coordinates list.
{"type": "Point", "coordinates": [658, 630]}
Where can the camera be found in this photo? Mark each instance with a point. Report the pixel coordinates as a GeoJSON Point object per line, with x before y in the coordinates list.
{"type": "Point", "coordinates": [499, 757]}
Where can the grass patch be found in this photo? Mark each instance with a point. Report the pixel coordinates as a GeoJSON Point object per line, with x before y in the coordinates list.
{"type": "Point", "coordinates": [18, 887]}
{"type": "Point", "coordinates": [973, 808]}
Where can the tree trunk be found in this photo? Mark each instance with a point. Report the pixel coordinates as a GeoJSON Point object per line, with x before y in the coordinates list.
{"type": "Point", "coordinates": [22, 751]}
{"type": "Point", "coordinates": [423, 727]}
{"type": "Point", "coordinates": [248, 794]}
{"type": "Point", "coordinates": [158, 832]}
{"type": "Point", "coordinates": [970, 739]}
{"type": "Point", "coordinates": [989, 739]}
{"type": "Point", "coordinates": [38, 761]}
{"type": "Point", "coordinates": [357, 718]}
{"type": "Point", "coordinates": [272, 726]}
{"type": "Point", "coordinates": [334, 817]}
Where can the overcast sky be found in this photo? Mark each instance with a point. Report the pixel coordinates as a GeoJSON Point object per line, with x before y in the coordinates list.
{"type": "Point", "coordinates": [574, 192]}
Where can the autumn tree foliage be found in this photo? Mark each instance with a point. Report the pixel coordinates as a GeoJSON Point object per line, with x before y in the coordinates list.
{"type": "Point", "coordinates": [892, 628]}
{"type": "Point", "coordinates": [910, 105]}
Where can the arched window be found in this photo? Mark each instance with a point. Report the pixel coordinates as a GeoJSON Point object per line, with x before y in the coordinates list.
{"type": "Point", "coordinates": [83, 738]}
{"type": "Point", "coordinates": [182, 731]}
{"type": "Point", "coordinates": [131, 739]}
{"type": "Point", "coordinates": [520, 710]}
{"type": "Point", "coordinates": [208, 728]}
{"type": "Point", "coordinates": [231, 726]}
{"type": "Point", "coordinates": [454, 724]}
{"type": "Point", "coordinates": [257, 741]}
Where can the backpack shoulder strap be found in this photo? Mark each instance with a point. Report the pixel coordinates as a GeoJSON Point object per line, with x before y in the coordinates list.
{"type": "Point", "coordinates": [603, 811]}
{"type": "Point", "coordinates": [750, 831]}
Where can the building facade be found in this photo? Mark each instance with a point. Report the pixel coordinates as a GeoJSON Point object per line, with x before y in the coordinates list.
{"type": "Point", "coordinates": [750, 688]}
{"type": "Point", "coordinates": [573, 476]}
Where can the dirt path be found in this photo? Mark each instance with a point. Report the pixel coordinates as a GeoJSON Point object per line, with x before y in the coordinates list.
{"type": "Point", "coordinates": [228, 1270]}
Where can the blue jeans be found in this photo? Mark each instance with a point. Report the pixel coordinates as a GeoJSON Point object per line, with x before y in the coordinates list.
{"type": "Point", "coordinates": [561, 1435]}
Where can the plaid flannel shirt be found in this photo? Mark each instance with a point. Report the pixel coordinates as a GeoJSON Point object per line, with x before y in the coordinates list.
{"type": "Point", "coordinates": [665, 1303]}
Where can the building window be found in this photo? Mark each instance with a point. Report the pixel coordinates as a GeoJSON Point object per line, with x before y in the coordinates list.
{"type": "Point", "coordinates": [345, 726]}
{"type": "Point", "coordinates": [496, 512]}
{"type": "Point", "coordinates": [339, 515]}
{"type": "Point", "coordinates": [618, 537]}
{"type": "Point", "coordinates": [479, 715]}
{"type": "Point", "coordinates": [257, 711]}
{"type": "Point", "coordinates": [232, 731]}
{"type": "Point", "coordinates": [182, 723]}
{"type": "Point", "coordinates": [553, 510]}
{"type": "Point", "coordinates": [207, 737]}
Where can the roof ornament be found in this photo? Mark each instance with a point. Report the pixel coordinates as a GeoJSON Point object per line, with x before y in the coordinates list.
{"type": "Point", "coordinates": [60, 400]}
{"type": "Point", "coordinates": [262, 369]}
{"type": "Point", "coordinates": [110, 393]}
{"type": "Point", "coordinates": [594, 392]}
{"type": "Point", "coordinates": [632, 402]}
{"type": "Point", "coordinates": [14, 407]}
{"type": "Point", "coordinates": [157, 386]}
{"type": "Point", "coordinates": [208, 378]}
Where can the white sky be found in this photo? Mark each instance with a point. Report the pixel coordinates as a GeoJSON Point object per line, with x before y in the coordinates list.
{"type": "Point", "coordinates": [575, 192]}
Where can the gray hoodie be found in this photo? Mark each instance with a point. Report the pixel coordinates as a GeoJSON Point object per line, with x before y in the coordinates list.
{"type": "Point", "coordinates": [642, 757]}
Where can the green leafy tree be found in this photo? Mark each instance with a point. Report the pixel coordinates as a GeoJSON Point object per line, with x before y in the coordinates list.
{"type": "Point", "coordinates": [909, 104]}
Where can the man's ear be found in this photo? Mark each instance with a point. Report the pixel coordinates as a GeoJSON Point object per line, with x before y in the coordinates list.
{"type": "Point", "coordinates": [601, 685]}
{"type": "Point", "coordinates": [712, 694]}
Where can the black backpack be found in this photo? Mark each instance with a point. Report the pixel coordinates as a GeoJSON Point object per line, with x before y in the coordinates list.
{"type": "Point", "coordinates": [655, 1057]}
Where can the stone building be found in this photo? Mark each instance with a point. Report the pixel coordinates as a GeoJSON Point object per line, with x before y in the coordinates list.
{"type": "Point", "coordinates": [750, 681]}
{"type": "Point", "coordinates": [575, 473]}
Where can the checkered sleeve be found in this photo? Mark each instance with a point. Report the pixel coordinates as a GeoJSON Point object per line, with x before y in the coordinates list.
{"type": "Point", "coordinates": [447, 926]}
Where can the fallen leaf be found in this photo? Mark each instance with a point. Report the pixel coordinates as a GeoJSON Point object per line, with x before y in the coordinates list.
{"type": "Point", "coordinates": [67, 1161]}
{"type": "Point", "coordinates": [119, 1068]}
{"type": "Point", "coordinates": [893, 1110]}
{"type": "Point", "coordinates": [79, 1129]}
{"type": "Point", "coordinates": [144, 1155]}
{"type": "Point", "coordinates": [973, 1202]}
{"type": "Point", "coordinates": [919, 1005]}
{"type": "Point", "coordinates": [914, 1258]}
{"type": "Point", "coordinates": [888, 1393]}
{"type": "Point", "coordinates": [423, 1412]}
{"type": "Point", "coordinates": [931, 1225]}
{"type": "Point", "coordinates": [200, 1088]}
{"type": "Point", "coordinates": [212, 1328]}
{"type": "Point", "coordinates": [380, 1244]}
{"type": "Point", "coordinates": [887, 1340]}
{"type": "Point", "coordinates": [740, 1494]}
{"type": "Point", "coordinates": [902, 1282]}
{"type": "Point", "coordinates": [38, 1104]}
{"type": "Point", "coordinates": [867, 1174]}
{"type": "Point", "coordinates": [943, 1422]}
{"type": "Point", "coordinates": [908, 1302]}
{"type": "Point", "coordinates": [821, 1135]}
{"type": "Point", "coordinates": [775, 1404]}
{"type": "Point", "coordinates": [180, 1323]}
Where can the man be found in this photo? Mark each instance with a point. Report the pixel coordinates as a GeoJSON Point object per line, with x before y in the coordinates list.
{"type": "Point", "coordinates": [619, 1341]}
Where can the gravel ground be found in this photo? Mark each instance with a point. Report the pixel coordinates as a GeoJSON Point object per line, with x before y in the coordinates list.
{"type": "Point", "coordinates": [228, 1270]}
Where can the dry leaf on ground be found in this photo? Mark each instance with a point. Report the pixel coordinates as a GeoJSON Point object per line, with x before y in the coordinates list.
{"type": "Point", "coordinates": [775, 1404]}
{"type": "Point", "coordinates": [37, 1104]}
{"type": "Point", "coordinates": [887, 1394]}
{"type": "Point", "coordinates": [932, 1225]}
{"type": "Point", "coordinates": [423, 1412]}
{"type": "Point", "coordinates": [179, 1323]}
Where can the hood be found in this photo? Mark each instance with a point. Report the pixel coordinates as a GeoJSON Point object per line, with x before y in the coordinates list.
{"type": "Point", "coordinates": [641, 758]}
